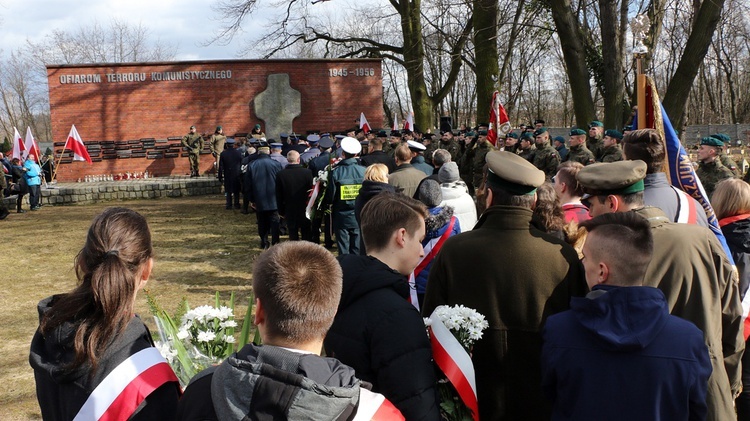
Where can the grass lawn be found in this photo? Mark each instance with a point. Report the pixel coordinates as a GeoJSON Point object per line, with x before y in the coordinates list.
{"type": "Point", "coordinates": [200, 248]}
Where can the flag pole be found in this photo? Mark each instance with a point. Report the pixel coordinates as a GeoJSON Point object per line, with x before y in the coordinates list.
{"type": "Point", "coordinates": [54, 172]}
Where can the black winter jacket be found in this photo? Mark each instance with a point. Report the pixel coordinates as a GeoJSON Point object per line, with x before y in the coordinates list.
{"type": "Point", "coordinates": [379, 334]}
{"type": "Point", "coordinates": [737, 234]}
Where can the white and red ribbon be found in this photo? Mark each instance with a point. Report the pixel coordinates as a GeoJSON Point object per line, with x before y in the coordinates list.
{"type": "Point", "coordinates": [313, 199]}
{"type": "Point", "coordinates": [375, 407]}
{"type": "Point", "coordinates": [125, 387]}
{"type": "Point", "coordinates": [455, 363]}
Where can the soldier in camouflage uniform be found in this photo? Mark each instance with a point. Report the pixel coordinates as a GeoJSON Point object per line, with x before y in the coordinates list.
{"type": "Point", "coordinates": [578, 152]}
{"type": "Point", "coordinates": [216, 144]}
{"type": "Point", "coordinates": [594, 141]}
{"type": "Point", "coordinates": [193, 142]}
{"type": "Point", "coordinates": [546, 157]}
{"type": "Point", "coordinates": [527, 148]}
{"type": "Point", "coordinates": [450, 144]}
{"type": "Point", "coordinates": [466, 161]}
{"type": "Point", "coordinates": [725, 159]}
{"type": "Point", "coordinates": [480, 152]}
{"type": "Point", "coordinates": [710, 169]}
{"type": "Point", "coordinates": [511, 143]}
{"type": "Point", "coordinates": [393, 141]}
{"type": "Point", "coordinates": [612, 151]}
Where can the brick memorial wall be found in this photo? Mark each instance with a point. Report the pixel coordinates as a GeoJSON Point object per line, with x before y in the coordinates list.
{"type": "Point", "coordinates": [132, 116]}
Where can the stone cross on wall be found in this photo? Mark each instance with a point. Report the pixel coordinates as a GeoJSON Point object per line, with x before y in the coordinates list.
{"type": "Point", "coordinates": [278, 105]}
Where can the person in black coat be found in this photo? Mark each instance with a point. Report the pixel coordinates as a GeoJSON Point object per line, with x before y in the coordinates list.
{"type": "Point", "coordinates": [376, 330]}
{"type": "Point", "coordinates": [230, 163]}
{"type": "Point", "coordinates": [18, 178]}
{"type": "Point", "coordinates": [262, 194]}
{"type": "Point", "coordinates": [293, 185]}
{"type": "Point", "coordinates": [245, 177]}
{"type": "Point", "coordinates": [377, 156]}
{"type": "Point", "coordinates": [321, 220]}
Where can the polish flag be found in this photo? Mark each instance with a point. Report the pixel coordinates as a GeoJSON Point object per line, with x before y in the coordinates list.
{"type": "Point", "coordinates": [409, 123]}
{"type": "Point", "coordinates": [395, 122]}
{"type": "Point", "coordinates": [499, 121]}
{"type": "Point", "coordinates": [363, 124]}
{"type": "Point", "coordinates": [75, 144]}
{"type": "Point", "coordinates": [375, 407]}
{"type": "Point", "coordinates": [18, 146]}
{"type": "Point", "coordinates": [30, 145]}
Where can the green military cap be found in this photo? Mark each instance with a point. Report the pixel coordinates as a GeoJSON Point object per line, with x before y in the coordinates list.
{"type": "Point", "coordinates": [575, 131]}
{"type": "Point", "coordinates": [721, 136]}
{"type": "Point", "coordinates": [192, 127]}
{"type": "Point", "coordinates": [540, 131]}
{"type": "Point", "coordinates": [512, 173]}
{"type": "Point", "coordinates": [596, 123]}
{"type": "Point", "coordinates": [559, 139]}
{"type": "Point", "coordinates": [482, 132]}
{"type": "Point", "coordinates": [712, 141]}
{"type": "Point", "coordinates": [613, 134]}
{"type": "Point", "coordinates": [527, 135]}
{"type": "Point", "coordinates": [470, 134]}
{"type": "Point", "coordinates": [218, 129]}
{"type": "Point", "coordinates": [514, 135]}
{"type": "Point", "coordinates": [623, 177]}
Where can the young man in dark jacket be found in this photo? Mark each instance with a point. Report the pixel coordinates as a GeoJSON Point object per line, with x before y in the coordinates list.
{"type": "Point", "coordinates": [618, 354]}
{"type": "Point", "coordinates": [286, 378]}
{"type": "Point", "coordinates": [293, 185]}
{"type": "Point", "coordinates": [376, 330]}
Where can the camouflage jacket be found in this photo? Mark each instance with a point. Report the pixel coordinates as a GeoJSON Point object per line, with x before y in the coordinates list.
{"type": "Point", "coordinates": [547, 160]}
{"type": "Point", "coordinates": [193, 142]}
{"type": "Point", "coordinates": [729, 163]}
{"type": "Point", "coordinates": [528, 154]}
{"type": "Point", "coordinates": [581, 154]}
{"type": "Point", "coordinates": [477, 167]}
{"type": "Point", "coordinates": [711, 173]}
{"type": "Point", "coordinates": [595, 146]}
{"type": "Point", "coordinates": [611, 153]}
{"type": "Point", "coordinates": [452, 147]}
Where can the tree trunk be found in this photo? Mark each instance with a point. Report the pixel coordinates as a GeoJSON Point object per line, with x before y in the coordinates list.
{"type": "Point", "coordinates": [613, 76]}
{"type": "Point", "coordinates": [574, 54]}
{"type": "Point", "coordinates": [411, 27]}
{"type": "Point", "coordinates": [487, 56]}
{"type": "Point", "coordinates": [678, 91]}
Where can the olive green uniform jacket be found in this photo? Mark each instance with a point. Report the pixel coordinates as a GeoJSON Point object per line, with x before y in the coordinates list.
{"type": "Point", "coordinates": [691, 268]}
{"type": "Point", "coordinates": [595, 146]}
{"type": "Point", "coordinates": [477, 166]}
{"type": "Point", "coordinates": [729, 163]}
{"type": "Point", "coordinates": [452, 147]}
{"type": "Point", "coordinates": [516, 276]}
{"type": "Point", "coordinates": [612, 153]}
{"type": "Point", "coordinates": [528, 154]}
{"type": "Point", "coordinates": [580, 154]}
{"type": "Point", "coordinates": [711, 173]}
{"type": "Point", "coordinates": [547, 159]}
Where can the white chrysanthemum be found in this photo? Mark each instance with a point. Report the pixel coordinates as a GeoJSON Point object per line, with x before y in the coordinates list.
{"type": "Point", "coordinates": [166, 352]}
{"type": "Point", "coordinates": [224, 313]}
{"type": "Point", "coordinates": [228, 323]}
{"type": "Point", "coordinates": [183, 334]}
{"type": "Point", "coordinates": [229, 339]}
{"type": "Point", "coordinates": [206, 336]}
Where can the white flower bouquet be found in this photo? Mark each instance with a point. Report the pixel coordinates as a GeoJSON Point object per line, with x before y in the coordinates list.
{"type": "Point", "coordinates": [463, 327]}
{"type": "Point", "coordinates": [204, 336]}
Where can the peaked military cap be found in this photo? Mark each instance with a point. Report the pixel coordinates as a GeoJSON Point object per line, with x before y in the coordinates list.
{"type": "Point", "coordinates": [416, 146]}
{"type": "Point", "coordinates": [351, 145]}
{"type": "Point", "coordinates": [325, 142]}
{"type": "Point", "coordinates": [512, 173]}
{"type": "Point", "coordinates": [623, 177]}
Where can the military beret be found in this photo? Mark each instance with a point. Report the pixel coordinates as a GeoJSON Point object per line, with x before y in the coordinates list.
{"type": "Point", "coordinates": [395, 133]}
{"type": "Point", "coordinates": [712, 141]}
{"type": "Point", "coordinates": [623, 177]}
{"type": "Point", "coordinates": [326, 142]}
{"type": "Point", "coordinates": [559, 139]}
{"type": "Point", "coordinates": [527, 136]}
{"type": "Point", "coordinates": [596, 123]}
{"type": "Point", "coordinates": [192, 127]}
{"type": "Point", "coordinates": [351, 145]}
{"type": "Point", "coordinates": [539, 121]}
{"type": "Point", "coordinates": [514, 135]}
{"type": "Point", "coordinates": [470, 134]}
{"type": "Point", "coordinates": [382, 133]}
{"type": "Point", "coordinates": [613, 134]}
{"type": "Point", "coordinates": [721, 136]}
{"type": "Point", "coordinates": [406, 131]}
{"type": "Point", "coordinates": [512, 173]}
{"type": "Point", "coordinates": [575, 131]}
{"type": "Point", "coordinates": [428, 136]}
{"type": "Point", "coordinates": [416, 146]}
{"type": "Point", "coordinates": [257, 126]}
{"type": "Point", "coordinates": [540, 131]}
{"type": "Point", "coordinates": [482, 132]}
{"type": "Point", "coordinates": [276, 145]}
{"type": "Point", "coordinates": [218, 129]}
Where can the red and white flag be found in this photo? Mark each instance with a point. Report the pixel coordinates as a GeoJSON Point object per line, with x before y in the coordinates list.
{"type": "Point", "coordinates": [409, 123]}
{"type": "Point", "coordinates": [75, 144]}
{"type": "Point", "coordinates": [499, 121]}
{"type": "Point", "coordinates": [18, 146]}
{"type": "Point", "coordinates": [30, 145]}
{"type": "Point", "coordinates": [395, 122]}
{"type": "Point", "coordinates": [375, 407]}
{"type": "Point", "coordinates": [363, 124]}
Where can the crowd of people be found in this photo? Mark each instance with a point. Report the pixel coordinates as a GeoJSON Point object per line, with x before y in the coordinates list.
{"type": "Point", "coordinates": [606, 294]}
{"type": "Point", "coordinates": [22, 176]}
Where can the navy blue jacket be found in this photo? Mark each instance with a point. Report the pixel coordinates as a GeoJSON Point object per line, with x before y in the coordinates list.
{"type": "Point", "coordinates": [617, 354]}
{"type": "Point", "coordinates": [262, 177]}
{"type": "Point", "coordinates": [344, 182]}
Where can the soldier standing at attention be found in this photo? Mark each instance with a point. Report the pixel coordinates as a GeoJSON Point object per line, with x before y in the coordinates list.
{"type": "Point", "coordinates": [216, 144]}
{"type": "Point", "coordinates": [594, 142]}
{"type": "Point", "coordinates": [710, 169]}
{"type": "Point", "coordinates": [611, 149]}
{"type": "Point", "coordinates": [480, 152]}
{"type": "Point", "coordinates": [546, 157]}
{"type": "Point", "coordinates": [450, 144]}
{"type": "Point", "coordinates": [193, 142]}
{"type": "Point", "coordinates": [578, 150]}
{"type": "Point", "coordinates": [527, 149]}
{"type": "Point", "coordinates": [725, 159]}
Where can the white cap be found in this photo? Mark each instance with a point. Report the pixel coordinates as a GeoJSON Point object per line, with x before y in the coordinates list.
{"type": "Point", "coordinates": [351, 145]}
{"type": "Point", "coordinates": [416, 145]}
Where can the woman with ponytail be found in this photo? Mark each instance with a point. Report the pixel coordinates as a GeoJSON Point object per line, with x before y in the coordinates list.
{"type": "Point", "coordinates": [93, 358]}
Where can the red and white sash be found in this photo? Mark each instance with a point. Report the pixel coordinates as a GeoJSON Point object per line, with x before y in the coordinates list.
{"type": "Point", "coordinates": [455, 363]}
{"type": "Point", "coordinates": [375, 407]}
{"type": "Point", "coordinates": [687, 213]}
{"type": "Point", "coordinates": [431, 250]}
{"type": "Point", "coordinates": [125, 387]}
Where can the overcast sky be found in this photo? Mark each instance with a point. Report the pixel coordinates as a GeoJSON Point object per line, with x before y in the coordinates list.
{"type": "Point", "coordinates": [185, 23]}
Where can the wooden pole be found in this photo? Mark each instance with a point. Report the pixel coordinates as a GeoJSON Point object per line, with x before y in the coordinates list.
{"type": "Point", "coordinates": [640, 92]}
